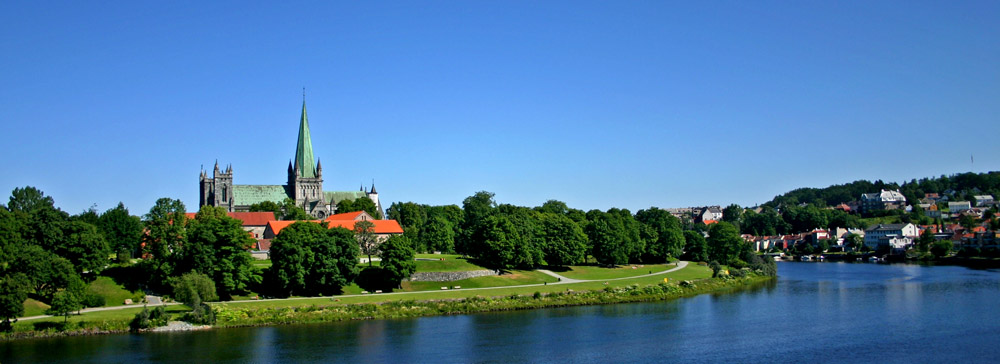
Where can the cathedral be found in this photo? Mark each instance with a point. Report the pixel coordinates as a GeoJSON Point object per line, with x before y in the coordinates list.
{"type": "Point", "coordinates": [304, 186]}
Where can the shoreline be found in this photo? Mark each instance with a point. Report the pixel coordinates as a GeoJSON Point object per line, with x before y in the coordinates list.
{"type": "Point", "coordinates": [233, 317]}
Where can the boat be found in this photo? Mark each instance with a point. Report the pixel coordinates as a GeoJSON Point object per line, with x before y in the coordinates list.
{"type": "Point", "coordinates": [805, 258]}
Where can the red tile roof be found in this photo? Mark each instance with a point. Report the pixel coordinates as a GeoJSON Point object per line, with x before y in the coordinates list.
{"type": "Point", "coordinates": [381, 226]}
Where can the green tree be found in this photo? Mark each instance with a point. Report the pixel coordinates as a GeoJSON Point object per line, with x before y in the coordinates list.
{"type": "Point", "coordinates": [411, 216]}
{"type": "Point", "coordinates": [497, 239]}
{"type": "Point", "coordinates": [438, 235]}
{"type": "Point", "coordinates": [193, 288]}
{"type": "Point", "coordinates": [476, 209]}
{"type": "Point", "coordinates": [165, 234]}
{"type": "Point", "coordinates": [268, 206]}
{"type": "Point", "coordinates": [733, 214]}
{"type": "Point", "coordinates": [925, 241]}
{"type": "Point", "coordinates": [364, 232]}
{"type": "Point", "coordinates": [218, 246]}
{"type": "Point", "coordinates": [695, 246]}
{"type": "Point", "coordinates": [606, 238]}
{"type": "Point", "coordinates": [723, 242]}
{"type": "Point", "coordinates": [853, 241]}
{"type": "Point", "coordinates": [361, 204]}
{"type": "Point", "coordinates": [565, 243]}
{"type": "Point", "coordinates": [308, 259]}
{"type": "Point", "coordinates": [29, 199]}
{"type": "Point", "coordinates": [397, 259]}
{"type": "Point", "coordinates": [942, 248]}
{"type": "Point", "coordinates": [122, 231]}
{"type": "Point", "coordinates": [66, 301]}
{"type": "Point", "coordinates": [291, 211]}
{"type": "Point", "coordinates": [84, 247]}
{"type": "Point", "coordinates": [13, 291]}
{"type": "Point", "coordinates": [668, 238]}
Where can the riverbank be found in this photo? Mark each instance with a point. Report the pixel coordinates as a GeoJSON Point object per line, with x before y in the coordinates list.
{"type": "Point", "coordinates": [229, 316]}
{"type": "Point", "coordinates": [322, 309]}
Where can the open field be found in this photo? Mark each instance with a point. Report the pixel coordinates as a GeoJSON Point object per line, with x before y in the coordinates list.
{"type": "Point", "coordinates": [588, 272]}
{"type": "Point", "coordinates": [514, 278]}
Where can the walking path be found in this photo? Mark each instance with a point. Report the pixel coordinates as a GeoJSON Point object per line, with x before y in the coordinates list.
{"type": "Point", "coordinates": [562, 280]}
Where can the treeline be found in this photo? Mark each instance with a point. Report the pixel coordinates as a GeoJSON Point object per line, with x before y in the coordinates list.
{"type": "Point", "coordinates": [505, 236]}
{"type": "Point", "coordinates": [964, 186]}
{"type": "Point", "coordinates": [49, 255]}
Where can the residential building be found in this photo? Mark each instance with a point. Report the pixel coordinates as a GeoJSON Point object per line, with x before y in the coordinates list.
{"type": "Point", "coordinates": [883, 200]}
{"type": "Point", "coordinates": [954, 208]}
{"type": "Point", "coordinates": [983, 200]}
{"type": "Point", "coordinates": [879, 234]}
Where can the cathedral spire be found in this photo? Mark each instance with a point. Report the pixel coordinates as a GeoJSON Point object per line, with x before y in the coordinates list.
{"type": "Point", "coordinates": [304, 149]}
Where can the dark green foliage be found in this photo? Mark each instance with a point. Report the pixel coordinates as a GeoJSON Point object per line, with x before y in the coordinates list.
{"type": "Point", "coordinates": [397, 259]}
{"type": "Point", "coordinates": [84, 247]}
{"type": "Point", "coordinates": [715, 267]}
{"type": "Point", "coordinates": [607, 238]}
{"type": "Point", "coordinates": [437, 234]}
{"type": "Point", "coordinates": [941, 248]}
{"type": "Point", "coordinates": [165, 234]}
{"type": "Point", "coordinates": [695, 246]}
{"type": "Point", "coordinates": [64, 303]}
{"type": "Point", "coordinates": [564, 242]}
{"type": "Point", "coordinates": [193, 288]}
{"type": "Point", "coordinates": [476, 209]}
{"type": "Point", "coordinates": [309, 259]}
{"type": "Point", "coordinates": [93, 300]}
{"type": "Point", "coordinates": [146, 319]}
{"type": "Point", "coordinates": [496, 243]}
{"type": "Point", "coordinates": [268, 206]}
{"type": "Point", "coordinates": [291, 211]}
{"type": "Point", "coordinates": [217, 246]}
{"type": "Point", "coordinates": [13, 291]}
{"type": "Point", "coordinates": [361, 204]}
{"type": "Point", "coordinates": [376, 278]}
{"type": "Point", "coordinates": [723, 242]}
{"type": "Point", "coordinates": [122, 231]}
{"type": "Point", "coordinates": [202, 313]}
{"type": "Point", "coordinates": [667, 238]}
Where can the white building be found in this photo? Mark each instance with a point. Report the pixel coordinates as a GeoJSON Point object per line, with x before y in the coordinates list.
{"type": "Point", "coordinates": [879, 234]}
{"type": "Point", "coordinates": [882, 200]}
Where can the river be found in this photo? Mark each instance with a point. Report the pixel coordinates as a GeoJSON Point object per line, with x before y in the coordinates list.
{"type": "Point", "coordinates": [815, 312]}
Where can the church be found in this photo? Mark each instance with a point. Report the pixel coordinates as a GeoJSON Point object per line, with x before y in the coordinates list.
{"type": "Point", "coordinates": [304, 186]}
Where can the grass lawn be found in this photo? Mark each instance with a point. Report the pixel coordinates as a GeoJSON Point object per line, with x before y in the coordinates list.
{"type": "Point", "coordinates": [692, 271]}
{"type": "Point", "coordinates": [97, 316]}
{"type": "Point", "coordinates": [515, 278]}
{"type": "Point", "coordinates": [451, 263]}
{"type": "Point", "coordinates": [596, 272]}
{"type": "Point", "coordinates": [34, 307]}
{"type": "Point", "coordinates": [114, 294]}
{"type": "Point", "coordinates": [262, 264]}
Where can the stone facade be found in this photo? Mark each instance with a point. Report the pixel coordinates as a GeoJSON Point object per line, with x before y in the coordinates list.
{"type": "Point", "coordinates": [450, 276]}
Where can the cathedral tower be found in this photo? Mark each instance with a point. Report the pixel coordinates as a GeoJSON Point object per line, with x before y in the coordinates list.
{"type": "Point", "coordinates": [305, 179]}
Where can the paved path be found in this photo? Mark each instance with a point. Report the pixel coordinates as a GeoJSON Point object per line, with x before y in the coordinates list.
{"type": "Point", "coordinates": [563, 280]}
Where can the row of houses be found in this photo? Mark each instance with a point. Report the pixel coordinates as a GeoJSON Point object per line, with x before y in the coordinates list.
{"type": "Point", "coordinates": [898, 237]}
{"type": "Point", "coordinates": [263, 227]}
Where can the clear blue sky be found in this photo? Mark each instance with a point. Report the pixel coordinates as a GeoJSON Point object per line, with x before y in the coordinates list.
{"type": "Point", "coordinates": [598, 104]}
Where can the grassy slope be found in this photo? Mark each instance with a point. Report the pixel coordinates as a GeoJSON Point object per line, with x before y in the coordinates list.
{"type": "Point", "coordinates": [517, 277]}
{"type": "Point", "coordinates": [595, 272]}
{"type": "Point", "coordinates": [114, 294]}
{"type": "Point", "coordinates": [34, 307]}
{"type": "Point", "coordinates": [445, 263]}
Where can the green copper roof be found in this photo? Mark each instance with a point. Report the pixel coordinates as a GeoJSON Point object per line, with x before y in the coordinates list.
{"type": "Point", "coordinates": [246, 195]}
{"type": "Point", "coordinates": [304, 149]}
{"type": "Point", "coordinates": [338, 196]}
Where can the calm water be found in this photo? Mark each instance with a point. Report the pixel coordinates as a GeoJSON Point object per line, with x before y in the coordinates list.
{"type": "Point", "coordinates": [816, 312]}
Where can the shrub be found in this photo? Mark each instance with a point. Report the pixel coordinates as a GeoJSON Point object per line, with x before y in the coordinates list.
{"type": "Point", "coordinates": [537, 295]}
{"type": "Point", "coordinates": [716, 268]}
{"type": "Point", "coordinates": [94, 300]}
{"type": "Point", "coordinates": [202, 314]}
{"type": "Point", "coordinates": [193, 288]}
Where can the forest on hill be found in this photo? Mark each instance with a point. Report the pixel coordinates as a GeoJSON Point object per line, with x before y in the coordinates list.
{"type": "Point", "coordinates": [960, 186]}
